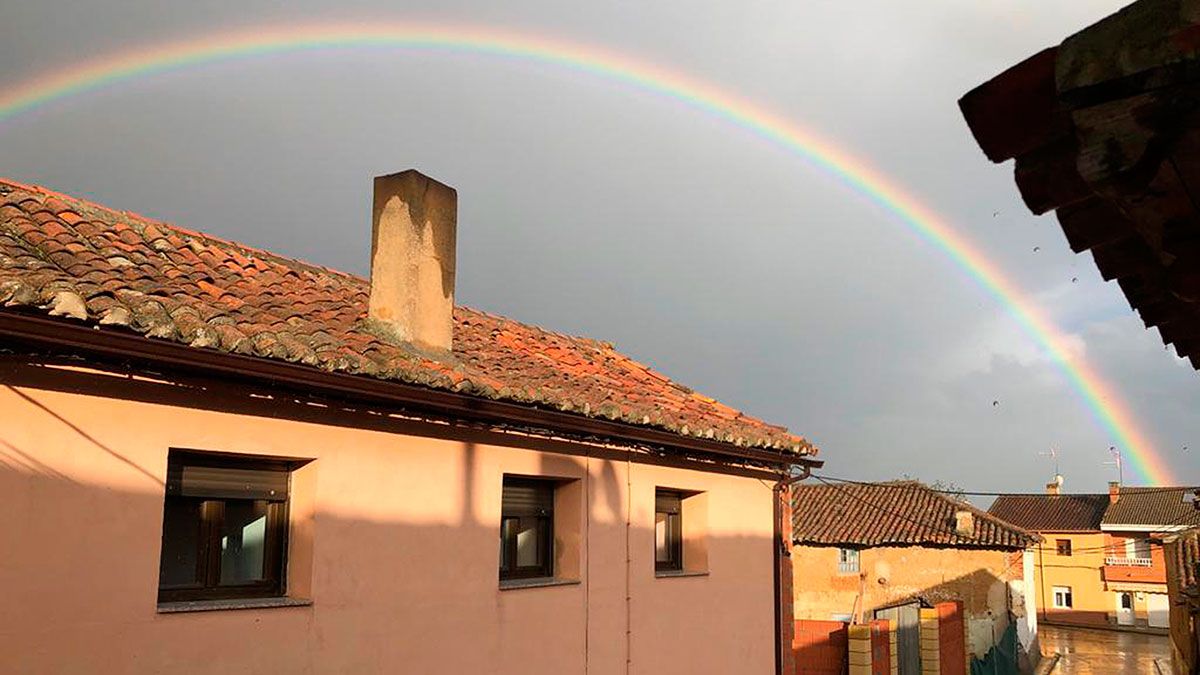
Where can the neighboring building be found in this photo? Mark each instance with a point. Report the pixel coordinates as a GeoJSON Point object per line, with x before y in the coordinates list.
{"type": "Point", "coordinates": [1183, 582]}
{"type": "Point", "coordinates": [1102, 130]}
{"type": "Point", "coordinates": [1101, 559]}
{"type": "Point", "coordinates": [864, 551]}
{"type": "Point", "coordinates": [374, 479]}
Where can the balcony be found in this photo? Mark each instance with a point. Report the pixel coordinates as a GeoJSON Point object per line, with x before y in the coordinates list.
{"type": "Point", "coordinates": [1128, 562]}
{"type": "Point", "coordinates": [1141, 570]}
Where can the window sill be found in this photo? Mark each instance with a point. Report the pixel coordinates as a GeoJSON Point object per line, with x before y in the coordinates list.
{"type": "Point", "coordinates": [539, 582]}
{"type": "Point", "coordinates": [233, 603]}
{"type": "Point", "coordinates": [666, 574]}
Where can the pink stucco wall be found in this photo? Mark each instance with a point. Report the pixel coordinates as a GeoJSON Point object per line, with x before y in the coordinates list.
{"type": "Point", "coordinates": [394, 536]}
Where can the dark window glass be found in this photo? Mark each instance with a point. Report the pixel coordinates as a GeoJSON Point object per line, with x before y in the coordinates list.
{"type": "Point", "coordinates": [224, 527]}
{"type": "Point", "coordinates": [527, 529]}
{"type": "Point", "coordinates": [668, 530]}
{"type": "Point", "coordinates": [1064, 546]}
{"type": "Point", "coordinates": [1126, 601]}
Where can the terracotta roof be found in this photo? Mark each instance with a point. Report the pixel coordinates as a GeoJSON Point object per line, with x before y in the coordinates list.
{"type": "Point", "coordinates": [1052, 513]}
{"type": "Point", "coordinates": [1165, 507]}
{"type": "Point", "coordinates": [900, 513]}
{"type": "Point", "coordinates": [70, 258]}
{"type": "Point", "coordinates": [1102, 128]}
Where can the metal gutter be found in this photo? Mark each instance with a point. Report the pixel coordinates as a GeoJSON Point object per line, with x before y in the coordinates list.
{"type": "Point", "coordinates": [126, 345]}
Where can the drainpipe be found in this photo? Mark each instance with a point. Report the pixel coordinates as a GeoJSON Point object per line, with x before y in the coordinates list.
{"type": "Point", "coordinates": [782, 529]}
{"type": "Point", "coordinates": [1041, 569]}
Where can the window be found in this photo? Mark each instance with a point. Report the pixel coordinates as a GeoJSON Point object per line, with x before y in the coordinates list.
{"type": "Point", "coordinates": [847, 561]}
{"type": "Point", "coordinates": [1062, 597]}
{"type": "Point", "coordinates": [668, 531]}
{"type": "Point", "coordinates": [527, 529]}
{"type": "Point", "coordinates": [1063, 546]}
{"type": "Point", "coordinates": [224, 527]}
{"type": "Point", "coordinates": [1127, 601]}
{"type": "Point", "coordinates": [1137, 549]}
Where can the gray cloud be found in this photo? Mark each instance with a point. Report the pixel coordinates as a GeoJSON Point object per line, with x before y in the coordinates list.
{"type": "Point", "coordinates": [593, 208]}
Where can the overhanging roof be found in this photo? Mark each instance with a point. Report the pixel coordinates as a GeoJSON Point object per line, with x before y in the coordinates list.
{"type": "Point", "coordinates": [1105, 130]}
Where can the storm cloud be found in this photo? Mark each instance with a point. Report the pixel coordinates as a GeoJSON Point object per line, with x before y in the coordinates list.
{"type": "Point", "coordinates": [590, 207]}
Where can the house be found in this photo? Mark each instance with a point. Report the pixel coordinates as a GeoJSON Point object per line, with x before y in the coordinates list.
{"type": "Point", "coordinates": [1183, 582]}
{"type": "Point", "coordinates": [884, 550]}
{"type": "Point", "coordinates": [218, 459]}
{"type": "Point", "coordinates": [1101, 559]}
{"type": "Point", "coordinates": [1102, 130]}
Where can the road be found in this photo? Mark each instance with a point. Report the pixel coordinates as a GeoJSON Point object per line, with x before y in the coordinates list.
{"type": "Point", "coordinates": [1087, 651]}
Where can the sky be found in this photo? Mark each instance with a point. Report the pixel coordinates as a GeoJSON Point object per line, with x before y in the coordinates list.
{"type": "Point", "coordinates": [592, 208]}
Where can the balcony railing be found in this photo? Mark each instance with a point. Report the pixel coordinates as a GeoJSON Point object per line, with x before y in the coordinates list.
{"type": "Point", "coordinates": [1129, 562]}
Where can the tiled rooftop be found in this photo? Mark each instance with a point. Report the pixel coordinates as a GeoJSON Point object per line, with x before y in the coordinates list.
{"type": "Point", "coordinates": [1166, 507]}
{"type": "Point", "coordinates": [899, 513]}
{"type": "Point", "coordinates": [1163, 507]}
{"type": "Point", "coordinates": [1052, 513]}
{"type": "Point", "coordinates": [70, 258]}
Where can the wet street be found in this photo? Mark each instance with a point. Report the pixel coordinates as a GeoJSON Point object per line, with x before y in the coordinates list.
{"type": "Point", "coordinates": [1086, 651]}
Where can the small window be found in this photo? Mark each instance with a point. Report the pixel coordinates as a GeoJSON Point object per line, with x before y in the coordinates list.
{"type": "Point", "coordinates": [224, 527]}
{"type": "Point", "coordinates": [1063, 546]}
{"type": "Point", "coordinates": [847, 561]}
{"type": "Point", "coordinates": [527, 528]}
{"type": "Point", "coordinates": [1062, 597]}
{"type": "Point", "coordinates": [668, 531]}
{"type": "Point", "coordinates": [1127, 601]}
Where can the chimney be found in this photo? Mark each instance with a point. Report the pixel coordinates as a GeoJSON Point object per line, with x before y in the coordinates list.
{"type": "Point", "coordinates": [1055, 486]}
{"type": "Point", "coordinates": [964, 523]}
{"type": "Point", "coordinates": [412, 260]}
{"type": "Point", "coordinates": [1114, 491]}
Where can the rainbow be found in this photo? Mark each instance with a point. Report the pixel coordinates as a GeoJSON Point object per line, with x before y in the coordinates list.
{"type": "Point", "coordinates": [1101, 399]}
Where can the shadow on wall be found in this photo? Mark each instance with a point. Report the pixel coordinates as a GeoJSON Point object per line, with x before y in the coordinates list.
{"type": "Point", "coordinates": [81, 573]}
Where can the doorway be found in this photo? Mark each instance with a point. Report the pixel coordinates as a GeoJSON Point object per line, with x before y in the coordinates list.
{"type": "Point", "coordinates": [1158, 609]}
{"type": "Point", "coordinates": [907, 620]}
{"type": "Point", "coordinates": [1124, 609]}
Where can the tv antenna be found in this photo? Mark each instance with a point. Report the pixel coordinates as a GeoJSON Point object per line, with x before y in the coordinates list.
{"type": "Point", "coordinates": [1116, 454]}
{"type": "Point", "coordinates": [1052, 454]}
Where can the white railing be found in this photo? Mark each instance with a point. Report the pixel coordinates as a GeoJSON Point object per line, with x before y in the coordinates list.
{"type": "Point", "coordinates": [1129, 562]}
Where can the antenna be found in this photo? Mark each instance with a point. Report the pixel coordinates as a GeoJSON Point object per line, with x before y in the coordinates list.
{"type": "Point", "coordinates": [1052, 454]}
{"type": "Point", "coordinates": [1116, 454]}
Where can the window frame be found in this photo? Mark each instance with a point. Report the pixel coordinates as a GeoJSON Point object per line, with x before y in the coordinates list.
{"type": "Point", "coordinates": [544, 519]}
{"type": "Point", "coordinates": [669, 503]}
{"type": "Point", "coordinates": [211, 512]}
{"type": "Point", "coordinates": [1062, 547]}
{"type": "Point", "coordinates": [849, 561]}
{"type": "Point", "coordinates": [1063, 592]}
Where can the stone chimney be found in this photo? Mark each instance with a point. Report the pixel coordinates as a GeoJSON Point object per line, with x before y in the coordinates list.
{"type": "Point", "coordinates": [1114, 491]}
{"type": "Point", "coordinates": [412, 260]}
{"type": "Point", "coordinates": [964, 523]}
